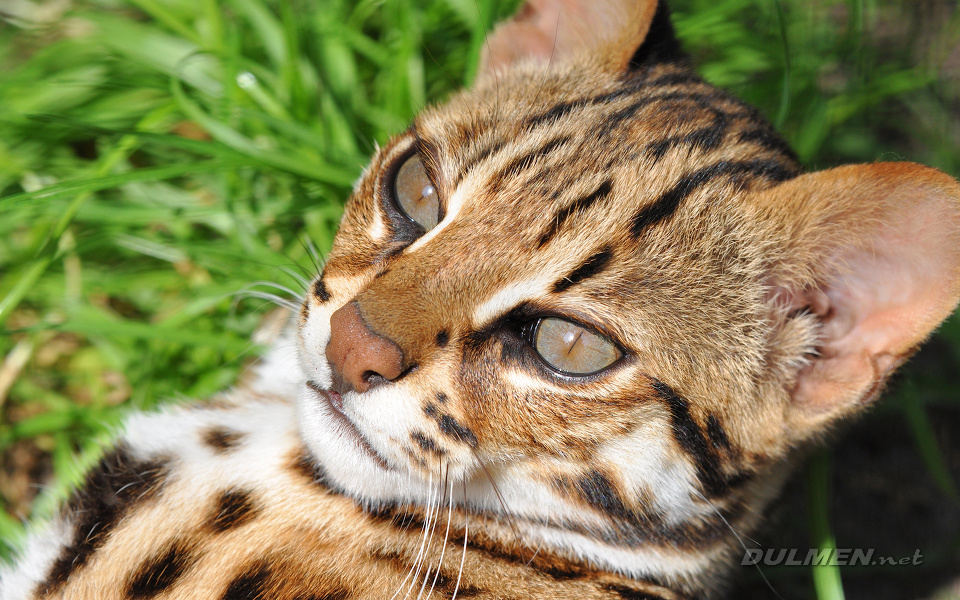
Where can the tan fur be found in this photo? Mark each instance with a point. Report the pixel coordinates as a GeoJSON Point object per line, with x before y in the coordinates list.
{"type": "Point", "coordinates": [755, 307]}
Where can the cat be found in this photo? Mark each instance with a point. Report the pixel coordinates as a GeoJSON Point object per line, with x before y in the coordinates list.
{"type": "Point", "coordinates": [576, 326]}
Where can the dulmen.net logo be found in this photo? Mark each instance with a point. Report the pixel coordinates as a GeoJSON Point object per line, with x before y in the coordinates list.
{"type": "Point", "coordinates": [800, 557]}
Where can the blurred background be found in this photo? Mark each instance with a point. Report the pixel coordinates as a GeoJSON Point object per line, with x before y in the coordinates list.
{"type": "Point", "coordinates": [170, 170]}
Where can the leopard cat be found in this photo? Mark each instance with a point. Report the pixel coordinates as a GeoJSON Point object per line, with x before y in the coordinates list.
{"type": "Point", "coordinates": [577, 324]}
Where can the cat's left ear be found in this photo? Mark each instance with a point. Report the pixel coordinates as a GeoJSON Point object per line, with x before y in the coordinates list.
{"type": "Point", "coordinates": [872, 254]}
{"type": "Point", "coordinates": [619, 34]}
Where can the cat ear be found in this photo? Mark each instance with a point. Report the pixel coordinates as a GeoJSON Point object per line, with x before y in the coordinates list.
{"type": "Point", "coordinates": [621, 33]}
{"type": "Point", "coordinates": [872, 253]}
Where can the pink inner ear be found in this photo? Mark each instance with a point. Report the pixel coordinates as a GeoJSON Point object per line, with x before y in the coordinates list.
{"type": "Point", "coordinates": [555, 30]}
{"type": "Point", "coordinates": [881, 298]}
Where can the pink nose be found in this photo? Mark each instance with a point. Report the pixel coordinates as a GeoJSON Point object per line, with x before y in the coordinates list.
{"type": "Point", "coordinates": [360, 356]}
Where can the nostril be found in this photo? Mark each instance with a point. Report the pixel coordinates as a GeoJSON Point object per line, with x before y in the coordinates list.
{"type": "Point", "coordinates": [362, 357]}
{"type": "Point", "coordinates": [373, 379]}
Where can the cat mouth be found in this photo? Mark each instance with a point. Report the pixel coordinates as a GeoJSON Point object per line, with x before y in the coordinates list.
{"type": "Point", "coordinates": [334, 402]}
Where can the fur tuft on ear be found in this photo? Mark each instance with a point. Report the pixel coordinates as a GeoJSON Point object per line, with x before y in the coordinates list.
{"type": "Point", "coordinates": [612, 31]}
{"type": "Point", "coordinates": [872, 254]}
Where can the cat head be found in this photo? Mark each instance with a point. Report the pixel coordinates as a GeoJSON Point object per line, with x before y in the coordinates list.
{"type": "Point", "coordinates": [596, 296]}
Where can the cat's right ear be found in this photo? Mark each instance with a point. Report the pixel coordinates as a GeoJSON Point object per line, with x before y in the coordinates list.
{"type": "Point", "coordinates": [617, 34]}
{"type": "Point", "coordinates": [869, 255]}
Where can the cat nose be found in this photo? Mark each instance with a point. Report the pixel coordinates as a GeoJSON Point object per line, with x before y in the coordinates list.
{"type": "Point", "coordinates": [361, 357]}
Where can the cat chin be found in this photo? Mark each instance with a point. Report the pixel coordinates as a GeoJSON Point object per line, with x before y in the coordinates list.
{"type": "Point", "coordinates": [349, 466]}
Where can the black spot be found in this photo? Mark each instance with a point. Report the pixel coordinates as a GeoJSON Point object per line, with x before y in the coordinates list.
{"type": "Point", "coordinates": [666, 205]}
{"type": "Point", "coordinates": [117, 485]}
{"type": "Point", "coordinates": [443, 337]}
{"type": "Point", "coordinates": [160, 572]}
{"type": "Point", "coordinates": [577, 207]}
{"type": "Point", "coordinates": [320, 290]}
{"type": "Point", "coordinates": [597, 490]}
{"type": "Point", "coordinates": [441, 398]}
{"type": "Point", "coordinates": [661, 43]}
{"type": "Point", "coordinates": [305, 465]}
{"type": "Point", "coordinates": [452, 428]}
{"type": "Point", "coordinates": [592, 266]}
{"type": "Point", "coordinates": [629, 594]}
{"type": "Point", "coordinates": [692, 441]}
{"type": "Point", "coordinates": [430, 410]}
{"type": "Point", "coordinates": [234, 508]}
{"type": "Point", "coordinates": [718, 437]}
{"type": "Point", "coordinates": [427, 444]}
{"type": "Point", "coordinates": [250, 585]}
{"type": "Point", "coordinates": [221, 439]}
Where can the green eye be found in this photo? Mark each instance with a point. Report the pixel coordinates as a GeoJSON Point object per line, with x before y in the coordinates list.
{"type": "Point", "coordinates": [572, 349]}
{"type": "Point", "coordinates": [416, 195]}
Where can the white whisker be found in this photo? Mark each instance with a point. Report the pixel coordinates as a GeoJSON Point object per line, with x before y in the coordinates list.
{"type": "Point", "coordinates": [739, 539]}
{"type": "Point", "coordinates": [463, 557]}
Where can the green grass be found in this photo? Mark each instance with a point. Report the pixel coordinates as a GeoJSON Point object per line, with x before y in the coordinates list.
{"type": "Point", "coordinates": [161, 159]}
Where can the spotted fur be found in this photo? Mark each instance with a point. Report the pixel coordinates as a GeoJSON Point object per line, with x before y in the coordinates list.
{"type": "Point", "coordinates": [589, 175]}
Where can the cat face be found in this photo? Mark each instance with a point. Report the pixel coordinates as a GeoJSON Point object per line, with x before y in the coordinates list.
{"type": "Point", "coordinates": [592, 293]}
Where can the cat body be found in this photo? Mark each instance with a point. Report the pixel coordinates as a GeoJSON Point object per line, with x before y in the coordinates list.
{"type": "Point", "coordinates": [577, 324]}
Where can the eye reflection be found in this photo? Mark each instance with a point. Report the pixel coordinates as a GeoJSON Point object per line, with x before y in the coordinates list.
{"type": "Point", "coordinates": [416, 195]}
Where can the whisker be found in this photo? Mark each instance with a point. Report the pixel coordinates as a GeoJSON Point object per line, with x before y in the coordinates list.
{"type": "Point", "coordinates": [436, 519]}
{"type": "Point", "coordinates": [416, 561]}
{"type": "Point", "coordinates": [739, 539]}
{"type": "Point", "coordinates": [446, 534]}
{"type": "Point", "coordinates": [299, 278]}
{"type": "Point", "coordinates": [316, 257]}
{"type": "Point", "coordinates": [503, 505]}
{"type": "Point", "coordinates": [272, 298]}
{"type": "Point", "coordinates": [463, 557]}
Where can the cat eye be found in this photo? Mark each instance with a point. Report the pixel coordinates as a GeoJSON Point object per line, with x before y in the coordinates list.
{"type": "Point", "coordinates": [415, 194]}
{"type": "Point", "coordinates": [573, 349]}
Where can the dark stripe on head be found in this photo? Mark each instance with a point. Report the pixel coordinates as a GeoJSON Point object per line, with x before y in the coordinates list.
{"type": "Point", "coordinates": [249, 585]}
{"type": "Point", "coordinates": [577, 207]}
{"type": "Point", "coordinates": [593, 265]}
{"type": "Point", "coordinates": [117, 485]}
{"type": "Point", "coordinates": [443, 337]}
{"type": "Point", "coordinates": [455, 430]}
{"type": "Point", "coordinates": [558, 111]}
{"type": "Point", "coordinates": [522, 163]}
{"type": "Point", "coordinates": [233, 509]}
{"type": "Point", "coordinates": [320, 290]}
{"type": "Point", "coordinates": [703, 139]}
{"type": "Point", "coordinates": [221, 439]}
{"type": "Point", "coordinates": [666, 205]}
{"type": "Point", "coordinates": [157, 574]}
{"type": "Point", "coordinates": [476, 158]}
{"type": "Point", "coordinates": [702, 98]}
{"type": "Point", "coordinates": [691, 440]}
{"type": "Point", "coordinates": [769, 139]}
{"type": "Point", "coordinates": [683, 77]}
